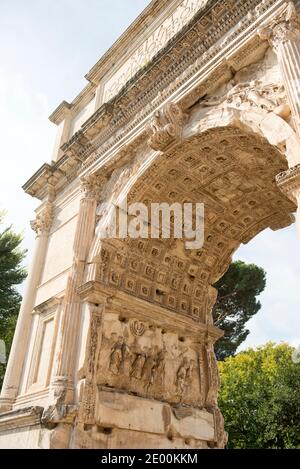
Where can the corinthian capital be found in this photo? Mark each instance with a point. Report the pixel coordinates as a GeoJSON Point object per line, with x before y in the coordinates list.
{"type": "Point", "coordinates": [91, 186]}
{"type": "Point", "coordinates": [43, 221]}
{"type": "Point", "coordinates": [286, 27]}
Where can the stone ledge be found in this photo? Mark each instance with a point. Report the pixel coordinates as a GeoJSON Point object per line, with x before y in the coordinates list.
{"type": "Point", "coordinates": [17, 419]}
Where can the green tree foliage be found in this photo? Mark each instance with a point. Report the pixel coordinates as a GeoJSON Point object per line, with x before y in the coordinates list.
{"type": "Point", "coordinates": [236, 304]}
{"type": "Point", "coordinates": [260, 398]}
{"type": "Point", "coordinates": [11, 275]}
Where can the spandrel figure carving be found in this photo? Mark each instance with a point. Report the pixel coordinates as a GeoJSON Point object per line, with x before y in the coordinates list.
{"type": "Point", "coordinates": [268, 97]}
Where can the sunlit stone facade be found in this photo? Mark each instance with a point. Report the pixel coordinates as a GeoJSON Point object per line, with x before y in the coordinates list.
{"type": "Point", "coordinates": [197, 101]}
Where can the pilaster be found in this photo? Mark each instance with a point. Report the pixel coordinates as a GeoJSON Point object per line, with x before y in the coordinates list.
{"type": "Point", "coordinates": [283, 35]}
{"type": "Point", "coordinates": [66, 350]}
{"type": "Point", "coordinates": [41, 225]}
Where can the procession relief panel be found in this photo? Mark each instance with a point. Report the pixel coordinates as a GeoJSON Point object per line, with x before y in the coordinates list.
{"type": "Point", "coordinates": [149, 361]}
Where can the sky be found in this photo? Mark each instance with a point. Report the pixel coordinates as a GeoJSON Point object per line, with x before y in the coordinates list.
{"type": "Point", "coordinates": [46, 48]}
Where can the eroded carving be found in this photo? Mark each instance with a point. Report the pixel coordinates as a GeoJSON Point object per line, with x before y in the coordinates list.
{"type": "Point", "coordinates": [117, 356]}
{"type": "Point", "coordinates": [155, 364]}
{"type": "Point", "coordinates": [165, 127]}
{"type": "Point", "coordinates": [43, 222]}
{"type": "Point", "coordinates": [91, 185]}
{"type": "Point", "coordinates": [286, 27]}
{"type": "Point", "coordinates": [184, 376]}
{"type": "Point", "coordinates": [137, 328]}
{"type": "Point", "coordinates": [255, 94]}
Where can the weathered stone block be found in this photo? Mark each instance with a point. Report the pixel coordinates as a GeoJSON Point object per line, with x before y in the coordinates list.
{"type": "Point", "coordinates": [130, 412]}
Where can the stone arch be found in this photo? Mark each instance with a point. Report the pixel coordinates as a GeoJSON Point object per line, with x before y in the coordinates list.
{"type": "Point", "coordinates": [227, 159]}
{"type": "Point", "coordinates": [271, 126]}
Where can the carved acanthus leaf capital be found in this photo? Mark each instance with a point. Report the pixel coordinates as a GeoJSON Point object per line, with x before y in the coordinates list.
{"type": "Point", "coordinates": [44, 219]}
{"type": "Point", "coordinates": [91, 186]}
{"type": "Point", "coordinates": [286, 27]}
{"type": "Point", "coordinates": [165, 127]}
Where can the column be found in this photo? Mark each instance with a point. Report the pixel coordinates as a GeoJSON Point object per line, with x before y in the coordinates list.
{"type": "Point", "coordinates": [41, 225]}
{"type": "Point", "coordinates": [66, 350]}
{"type": "Point", "coordinates": [284, 36]}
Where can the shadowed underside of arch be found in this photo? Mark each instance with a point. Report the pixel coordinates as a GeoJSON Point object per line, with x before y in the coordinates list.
{"type": "Point", "coordinates": [232, 171]}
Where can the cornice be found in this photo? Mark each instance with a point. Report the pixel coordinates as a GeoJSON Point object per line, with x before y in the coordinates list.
{"type": "Point", "coordinates": [60, 113]}
{"type": "Point", "coordinates": [95, 292]}
{"type": "Point", "coordinates": [65, 108]}
{"type": "Point", "coordinates": [17, 419]}
{"type": "Point", "coordinates": [38, 180]}
{"type": "Point", "coordinates": [47, 305]}
{"type": "Point", "coordinates": [199, 61]}
{"type": "Point", "coordinates": [289, 182]}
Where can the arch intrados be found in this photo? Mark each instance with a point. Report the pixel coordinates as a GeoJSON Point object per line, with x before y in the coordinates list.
{"type": "Point", "coordinates": [238, 207]}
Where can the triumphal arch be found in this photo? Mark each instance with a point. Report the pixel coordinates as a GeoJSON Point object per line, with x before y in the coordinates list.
{"type": "Point", "coordinates": [198, 101]}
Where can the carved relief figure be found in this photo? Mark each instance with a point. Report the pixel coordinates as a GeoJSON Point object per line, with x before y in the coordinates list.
{"type": "Point", "coordinates": [154, 368]}
{"type": "Point", "coordinates": [137, 366]}
{"type": "Point", "coordinates": [149, 370]}
{"type": "Point", "coordinates": [184, 375]}
{"type": "Point", "coordinates": [137, 328]}
{"type": "Point", "coordinates": [160, 366]}
{"type": "Point", "coordinates": [116, 357]}
{"type": "Point", "coordinates": [126, 359]}
{"type": "Point", "coordinates": [165, 369]}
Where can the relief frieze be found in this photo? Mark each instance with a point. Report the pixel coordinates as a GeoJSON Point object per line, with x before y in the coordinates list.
{"type": "Point", "coordinates": [149, 361]}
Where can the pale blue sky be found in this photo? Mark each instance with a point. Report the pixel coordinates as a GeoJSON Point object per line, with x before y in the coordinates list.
{"type": "Point", "coordinates": [46, 48]}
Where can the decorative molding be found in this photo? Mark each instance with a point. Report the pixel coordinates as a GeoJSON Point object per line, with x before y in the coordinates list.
{"type": "Point", "coordinates": [165, 74]}
{"type": "Point", "coordinates": [17, 419]}
{"type": "Point", "coordinates": [289, 182]}
{"type": "Point", "coordinates": [96, 292]}
{"type": "Point", "coordinates": [62, 111]}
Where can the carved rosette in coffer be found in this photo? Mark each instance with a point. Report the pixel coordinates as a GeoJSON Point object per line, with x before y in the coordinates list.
{"type": "Point", "coordinates": [148, 361]}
